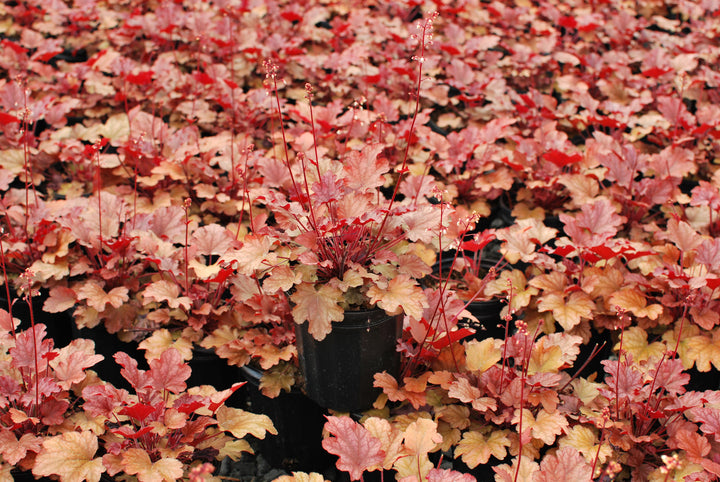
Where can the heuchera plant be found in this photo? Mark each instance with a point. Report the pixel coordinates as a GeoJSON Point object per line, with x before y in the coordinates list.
{"type": "Point", "coordinates": [39, 392]}
{"type": "Point", "coordinates": [350, 247]}
{"type": "Point", "coordinates": [159, 432]}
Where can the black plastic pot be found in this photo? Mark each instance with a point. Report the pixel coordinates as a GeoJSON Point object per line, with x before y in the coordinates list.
{"type": "Point", "coordinates": [210, 369]}
{"type": "Point", "coordinates": [490, 323]}
{"type": "Point", "coordinates": [487, 312]}
{"type": "Point", "coordinates": [299, 422]}
{"type": "Point", "coordinates": [339, 370]}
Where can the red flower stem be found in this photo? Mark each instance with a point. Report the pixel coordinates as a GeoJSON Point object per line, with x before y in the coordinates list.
{"type": "Point", "coordinates": [7, 289]}
{"type": "Point", "coordinates": [28, 300]}
{"type": "Point", "coordinates": [187, 228]}
{"type": "Point", "coordinates": [99, 192]}
{"type": "Point", "coordinates": [426, 31]}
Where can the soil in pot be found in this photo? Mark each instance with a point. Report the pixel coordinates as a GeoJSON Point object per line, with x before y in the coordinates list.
{"type": "Point", "coordinates": [339, 371]}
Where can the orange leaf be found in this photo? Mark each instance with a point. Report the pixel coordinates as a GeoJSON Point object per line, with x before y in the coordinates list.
{"type": "Point", "coordinates": [568, 312]}
{"type": "Point", "coordinates": [634, 301]}
{"type": "Point", "coordinates": [546, 426]}
{"type": "Point", "coordinates": [97, 298]}
{"type": "Point", "coordinates": [318, 307]}
{"type": "Point", "coordinates": [164, 290]}
{"type": "Point", "coordinates": [481, 355]}
{"type": "Point", "coordinates": [240, 423]}
{"type": "Point", "coordinates": [476, 448]}
{"type": "Point", "coordinates": [60, 299]}
{"type": "Point", "coordinates": [71, 456]}
{"type": "Point", "coordinates": [137, 462]}
{"type": "Point", "coordinates": [703, 350]}
{"type": "Point", "coordinates": [402, 294]}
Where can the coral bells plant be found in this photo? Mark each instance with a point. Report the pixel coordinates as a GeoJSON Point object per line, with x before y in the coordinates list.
{"type": "Point", "coordinates": [349, 246]}
{"type": "Point", "coordinates": [39, 390]}
{"type": "Point", "coordinates": [161, 431]}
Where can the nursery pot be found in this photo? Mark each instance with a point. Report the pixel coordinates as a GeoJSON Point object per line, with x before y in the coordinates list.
{"type": "Point", "coordinates": [339, 370]}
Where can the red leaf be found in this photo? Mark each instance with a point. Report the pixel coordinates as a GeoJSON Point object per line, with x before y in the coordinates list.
{"type": "Point", "coordinates": [189, 408]}
{"type": "Point", "coordinates": [356, 448]}
{"type": "Point", "coordinates": [451, 337]}
{"type": "Point", "coordinates": [560, 159]}
{"type": "Point", "coordinates": [655, 72]}
{"type": "Point", "coordinates": [130, 434]}
{"type": "Point", "coordinates": [13, 46]}
{"type": "Point", "coordinates": [6, 119]}
{"type": "Point", "coordinates": [478, 242]}
{"type": "Point", "coordinates": [291, 16]}
{"type": "Point", "coordinates": [141, 78]}
{"type": "Point", "coordinates": [567, 21]}
{"type": "Point", "coordinates": [139, 411]}
{"type": "Point", "coordinates": [203, 78]}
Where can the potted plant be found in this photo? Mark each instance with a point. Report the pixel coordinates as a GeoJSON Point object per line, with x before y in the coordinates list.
{"type": "Point", "coordinates": [348, 255]}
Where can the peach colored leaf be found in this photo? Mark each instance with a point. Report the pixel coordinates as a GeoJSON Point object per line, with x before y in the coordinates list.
{"type": "Point", "coordinates": [421, 437]}
{"type": "Point", "coordinates": [695, 445]}
{"type": "Point", "coordinates": [71, 456]}
{"type": "Point", "coordinates": [281, 278]}
{"type": "Point", "coordinates": [318, 307]}
{"type": "Point", "coordinates": [565, 465]}
{"type": "Point", "coordinates": [252, 255]}
{"type": "Point", "coordinates": [212, 239]}
{"type": "Point", "coordinates": [703, 350]}
{"type": "Point", "coordinates": [356, 448]}
{"type": "Point", "coordinates": [301, 477]}
{"type": "Point", "coordinates": [164, 290]}
{"type": "Point", "coordinates": [510, 473]}
{"type": "Point", "coordinates": [97, 298]}
{"type": "Point", "coordinates": [635, 342]}
{"type": "Point", "coordinates": [72, 360]}
{"type": "Point", "coordinates": [6, 321]}
{"type": "Point", "coordinates": [447, 475]}
{"type": "Point", "coordinates": [706, 317]}
{"type": "Point", "coordinates": [476, 448]}
{"type": "Point", "coordinates": [14, 450]}
{"type": "Point", "coordinates": [594, 224]}
{"type": "Point", "coordinates": [60, 298]}
{"type": "Point", "coordinates": [240, 423]}
{"type": "Point", "coordinates": [545, 359]}
{"type": "Point", "coordinates": [390, 438]}
{"type": "Point", "coordinates": [137, 462]}
{"type": "Point", "coordinates": [463, 391]}
{"type": "Point", "coordinates": [401, 295]}
{"type": "Point", "coordinates": [481, 355]}
{"type": "Point", "coordinates": [633, 300]}
{"type": "Point", "coordinates": [546, 426]}
{"type": "Point", "coordinates": [569, 311]}
{"type": "Point", "coordinates": [161, 340]}
{"type": "Point", "coordinates": [584, 439]}
{"type": "Point", "coordinates": [683, 235]}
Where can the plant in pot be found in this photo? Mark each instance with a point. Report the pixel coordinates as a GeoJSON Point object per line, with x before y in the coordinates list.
{"type": "Point", "coordinates": [164, 429]}
{"type": "Point", "coordinates": [468, 271]}
{"type": "Point", "coordinates": [349, 254]}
